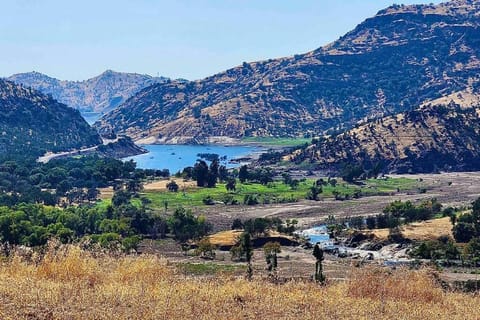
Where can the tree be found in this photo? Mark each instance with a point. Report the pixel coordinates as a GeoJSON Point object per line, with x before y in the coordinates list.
{"type": "Point", "coordinates": [121, 197]}
{"type": "Point", "coordinates": [200, 173]}
{"type": "Point", "coordinates": [371, 221]}
{"type": "Point", "coordinates": [134, 186]}
{"type": "Point", "coordinates": [243, 174]}
{"type": "Point", "coordinates": [333, 182]}
{"type": "Point", "coordinates": [237, 224]}
{"type": "Point", "coordinates": [92, 193]}
{"type": "Point", "coordinates": [350, 173]}
{"type": "Point", "coordinates": [313, 193]}
{"type": "Point", "coordinates": [184, 225]}
{"type": "Point", "coordinates": [205, 249]}
{"type": "Point", "coordinates": [212, 174]}
{"type": "Point", "coordinates": [318, 254]}
{"type": "Point", "coordinates": [270, 250]}
{"type": "Point", "coordinates": [472, 250]}
{"type": "Point", "coordinates": [463, 232]}
{"type": "Point", "coordinates": [231, 185]}
{"type": "Point", "coordinates": [172, 186]}
{"type": "Point", "coordinates": [222, 173]}
{"type": "Point", "coordinates": [247, 249]}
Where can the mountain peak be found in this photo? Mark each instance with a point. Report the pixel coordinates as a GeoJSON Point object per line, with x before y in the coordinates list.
{"type": "Point", "coordinates": [99, 94]}
{"type": "Point", "coordinates": [450, 8]}
{"type": "Point", "coordinates": [390, 63]}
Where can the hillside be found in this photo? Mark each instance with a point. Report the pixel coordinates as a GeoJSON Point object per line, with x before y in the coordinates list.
{"type": "Point", "coordinates": [32, 123]}
{"type": "Point", "coordinates": [432, 138]}
{"type": "Point", "coordinates": [99, 94]}
{"type": "Point", "coordinates": [396, 61]}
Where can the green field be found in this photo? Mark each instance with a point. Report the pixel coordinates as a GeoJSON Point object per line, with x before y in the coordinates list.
{"type": "Point", "coordinates": [275, 192]}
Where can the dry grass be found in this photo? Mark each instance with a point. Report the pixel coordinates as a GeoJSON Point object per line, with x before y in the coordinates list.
{"type": "Point", "coordinates": [161, 185]}
{"type": "Point", "coordinates": [425, 230]}
{"type": "Point", "coordinates": [71, 284]}
{"type": "Point", "coordinates": [225, 238]}
{"type": "Point", "coordinates": [230, 237]}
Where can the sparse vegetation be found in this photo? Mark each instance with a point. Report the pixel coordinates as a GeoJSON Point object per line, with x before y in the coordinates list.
{"type": "Point", "coordinates": [67, 282]}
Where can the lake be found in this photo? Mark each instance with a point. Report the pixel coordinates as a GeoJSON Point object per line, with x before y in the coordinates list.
{"type": "Point", "coordinates": [91, 117]}
{"type": "Point", "coordinates": [177, 157]}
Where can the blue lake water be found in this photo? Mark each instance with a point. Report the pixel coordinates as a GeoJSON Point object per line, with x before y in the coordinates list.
{"type": "Point", "coordinates": [91, 117]}
{"type": "Point", "coordinates": [316, 234]}
{"type": "Point", "coordinates": [177, 157]}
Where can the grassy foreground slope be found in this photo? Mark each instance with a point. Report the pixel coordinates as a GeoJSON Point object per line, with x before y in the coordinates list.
{"type": "Point", "coordinates": [71, 284]}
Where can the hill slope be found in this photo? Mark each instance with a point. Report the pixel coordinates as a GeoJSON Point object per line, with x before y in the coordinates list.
{"type": "Point", "coordinates": [100, 94]}
{"type": "Point", "coordinates": [399, 59]}
{"type": "Point", "coordinates": [432, 138]}
{"type": "Point", "coordinates": [32, 123]}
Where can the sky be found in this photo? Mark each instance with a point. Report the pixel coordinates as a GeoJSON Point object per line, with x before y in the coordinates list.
{"type": "Point", "coordinates": [190, 39]}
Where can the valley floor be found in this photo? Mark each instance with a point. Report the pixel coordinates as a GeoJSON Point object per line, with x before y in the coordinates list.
{"type": "Point", "coordinates": [457, 189]}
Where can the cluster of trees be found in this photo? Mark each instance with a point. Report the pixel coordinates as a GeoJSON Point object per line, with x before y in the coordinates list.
{"type": "Point", "coordinates": [76, 179]}
{"type": "Point", "coordinates": [121, 224]}
{"type": "Point", "coordinates": [408, 212]}
{"type": "Point", "coordinates": [205, 175]}
{"type": "Point", "coordinates": [442, 248]}
{"type": "Point", "coordinates": [259, 226]}
{"type": "Point", "coordinates": [467, 226]}
{"type": "Point", "coordinates": [34, 224]}
{"type": "Point", "coordinates": [259, 175]}
{"type": "Point", "coordinates": [353, 172]}
{"type": "Point", "coordinates": [185, 225]}
{"type": "Point", "coordinates": [396, 214]}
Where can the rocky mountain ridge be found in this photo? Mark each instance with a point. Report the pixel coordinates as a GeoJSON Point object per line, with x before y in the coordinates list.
{"type": "Point", "coordinates": [403, 57]}
{"type": "Point", "coordinates": [100, 94]}
{"type": "Point", "coordinates": [32, 123]}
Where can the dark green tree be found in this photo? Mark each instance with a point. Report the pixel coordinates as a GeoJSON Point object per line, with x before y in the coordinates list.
{"type": "Point", "coordinates": [318, 254]}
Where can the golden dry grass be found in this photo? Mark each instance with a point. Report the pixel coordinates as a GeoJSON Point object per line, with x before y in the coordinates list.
{"type": "Point", "coordinates": [425, 230]}
{"type": "Point", "coordinates": [225, 238]}
{"type": "Point", "coordinates": [161, 185]}
{"type": "Point", "coordinates": [71, 284]}
{"type": "Point", "coordinates": [230, 237]}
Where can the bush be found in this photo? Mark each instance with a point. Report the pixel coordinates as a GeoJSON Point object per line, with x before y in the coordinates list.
{"type": "Point", "coordinates": [250, 199]}
{"type": "Point", "coordinates": [208, 200]}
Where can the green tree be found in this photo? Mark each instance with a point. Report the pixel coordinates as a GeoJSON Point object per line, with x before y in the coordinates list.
{"type": "Point", "coordinates": [318, 254]}
{"type": "Point", "coordinates": [172, 186]}
{"type": "Point", "coordinates": [205, 249]}
{"type": "Point", "coordinates": [231, 185]}
{"type": "Point", "coordinates": [270, 250]}
{"type": "Point", "coordinates": [243, 174]}
{"type": "Point", "coordinates": [200, 173]}
{"type": "Point", "coordinates": [184, 225]}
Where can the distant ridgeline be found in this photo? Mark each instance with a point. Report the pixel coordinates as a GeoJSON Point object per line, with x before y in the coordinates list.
{"type": "Point", "coordinates": [402, 58]}
{"type": "Point", "coordinates": [32, 123]}
{"type": "Point", "coordinates": [99, 94]}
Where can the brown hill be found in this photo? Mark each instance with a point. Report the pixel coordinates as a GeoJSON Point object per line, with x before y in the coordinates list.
{"type": "Point", "coordinates": [432, 138]}
{"type": "Point", "coordinates": [32, 123]}
{"type": "Point", "coordinates": [401, 58]}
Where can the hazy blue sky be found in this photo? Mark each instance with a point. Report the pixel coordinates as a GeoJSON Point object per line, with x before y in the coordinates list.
{"type": "Point", "coordinates": [191, 39]}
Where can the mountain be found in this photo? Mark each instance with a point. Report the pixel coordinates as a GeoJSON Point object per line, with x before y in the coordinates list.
{"type": "Point", "coordinates": [429, 139]}
{"type": "Point", "coordinates": [401, 58]}
{"type": "Point", "coordinates": [32, 123]}
{"type": "Point", "coordinates": [100, 94]}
